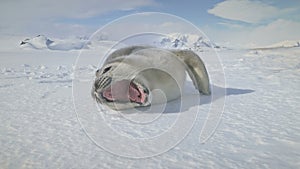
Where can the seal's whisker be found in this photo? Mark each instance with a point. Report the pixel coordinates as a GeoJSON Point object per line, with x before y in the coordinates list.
{"type": "Point", "coordinates": [101, 81]}
{"type": "Point", "coordinates": [105, 81]}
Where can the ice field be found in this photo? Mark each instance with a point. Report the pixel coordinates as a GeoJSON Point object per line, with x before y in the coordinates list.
{"type": "Point", "coordinates": [259, 128]}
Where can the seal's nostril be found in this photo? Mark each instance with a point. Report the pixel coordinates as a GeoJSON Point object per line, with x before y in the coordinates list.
{"type": "Point", "coordinates": [106, 69]}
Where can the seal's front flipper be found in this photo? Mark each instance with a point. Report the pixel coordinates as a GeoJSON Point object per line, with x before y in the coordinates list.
{"type": "Point", "coordinates": [195, 68]}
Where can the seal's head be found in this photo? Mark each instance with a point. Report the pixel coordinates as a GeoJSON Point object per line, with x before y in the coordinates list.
{"type": "Point", "coordinates": [118, 86]}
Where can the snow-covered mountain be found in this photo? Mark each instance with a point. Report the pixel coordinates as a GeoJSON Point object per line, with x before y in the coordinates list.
{"type": "Point", "coordinates": [176, 40]}
{"type": "Point", "coordinates": [43, 42]}
{"type": "Point", "coordinates": [38, 42]}
{"type": "Point", "coordinates": [171, 41]}
{"type": "Point", "coordinates": [282, 44]}
{"type": "Point", "coordinates": [285, 44]}
{"type": "Point", "coordinates": [186, 41]}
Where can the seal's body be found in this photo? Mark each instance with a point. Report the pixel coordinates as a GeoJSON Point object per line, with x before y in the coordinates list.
{"type": "Point", "coordinates": [137, 76]}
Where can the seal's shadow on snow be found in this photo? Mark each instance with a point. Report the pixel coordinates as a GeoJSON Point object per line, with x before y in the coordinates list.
{"type": "Point", "coordinates": [190, 99]}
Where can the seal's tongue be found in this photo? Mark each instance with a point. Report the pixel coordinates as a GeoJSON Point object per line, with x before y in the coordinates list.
{"type": "Point", "coordinates": [124, 91]}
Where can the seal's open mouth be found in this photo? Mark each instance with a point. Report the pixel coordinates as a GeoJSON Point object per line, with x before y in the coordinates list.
{"type": "Point", "coordinates": [124, 91]}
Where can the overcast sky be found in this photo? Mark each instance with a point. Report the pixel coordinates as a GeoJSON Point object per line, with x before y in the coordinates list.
{"type": "Point", "coordinates": [259, 22]}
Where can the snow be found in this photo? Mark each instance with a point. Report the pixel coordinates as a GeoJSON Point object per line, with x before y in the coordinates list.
{"type": "Point", "coordinates": [39, 128]}
{"type": "Point", "coordinates": [42, 42]}
{"type": "Point", "coordinates": [285, 44]}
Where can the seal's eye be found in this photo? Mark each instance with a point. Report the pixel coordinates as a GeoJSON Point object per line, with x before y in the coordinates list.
{"type": "Point", "coordinates": [97, 73]}
{"type": "Point", "coordinates": [106, 69]}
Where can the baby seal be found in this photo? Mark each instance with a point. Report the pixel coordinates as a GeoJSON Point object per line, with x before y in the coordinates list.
{"type": "Point", "coordinates": [130, 76]}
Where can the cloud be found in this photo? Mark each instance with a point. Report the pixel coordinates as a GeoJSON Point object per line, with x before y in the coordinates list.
{"type": "Point", "coordinates": [140, 25]}
{"type": "Point", "coordinates": [254, 23]}
{"type": "Point", "coordinates": [67, 8]}
{"type": "Point", "coordinates": [231, 25]}
{"type": "Point", "coordinates": [276, 31]}
{"type": "Point", "coordinates": [18, 15]}
{"type": "Point", "coordinates": [258, 36]}
{"type": "Point", "coordinates": [245, 11]}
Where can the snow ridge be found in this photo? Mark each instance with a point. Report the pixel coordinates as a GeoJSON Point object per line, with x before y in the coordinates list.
{"type": "Point", "coordinates": [285, 44]}
{"type": "Point", "coordinates": [42, 42]}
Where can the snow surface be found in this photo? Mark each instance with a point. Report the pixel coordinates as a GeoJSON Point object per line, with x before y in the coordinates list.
{"type": "Point", "coordinates": [260, 126]}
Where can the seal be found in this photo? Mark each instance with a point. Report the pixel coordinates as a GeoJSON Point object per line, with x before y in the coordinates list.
{"type": "Point", "coordinates": [130, 76]}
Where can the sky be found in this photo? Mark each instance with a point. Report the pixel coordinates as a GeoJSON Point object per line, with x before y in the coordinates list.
{"type": "Point", "coordinates": [232, 22]}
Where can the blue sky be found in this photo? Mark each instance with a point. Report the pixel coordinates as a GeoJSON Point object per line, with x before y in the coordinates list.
{"type": "Point", "coordinates": [248, 22]}
{"type": "Point", "coordinates": [194, 10]}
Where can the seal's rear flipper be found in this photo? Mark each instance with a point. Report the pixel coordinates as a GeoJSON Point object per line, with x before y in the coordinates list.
{"type": "Point", "coordinates": [195, 68]}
